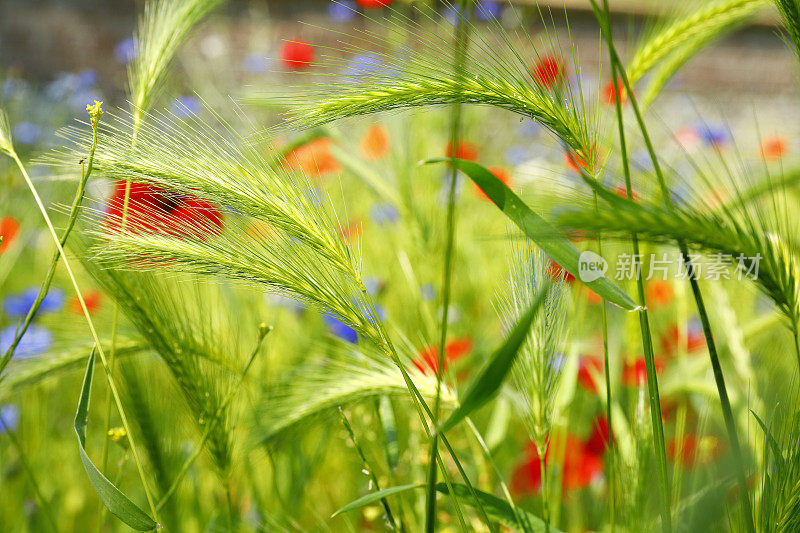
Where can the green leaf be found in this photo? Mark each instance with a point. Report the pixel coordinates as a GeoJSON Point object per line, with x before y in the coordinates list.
{"type": "Point", "coordinates": [376, 497]}
{"type": "Point", "coordinates": [773, 444]}
{"type": "Point", "coordinates": [492, 375]}
{"type": "Point", "coordinates": [496, 509]}
{"type": "Point", "coordinates": [114, 500]}
{"type": "Point", "coordinates": [544, 234]}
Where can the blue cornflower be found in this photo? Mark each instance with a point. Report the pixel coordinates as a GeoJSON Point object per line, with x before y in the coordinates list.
{"type": "Point", "coordinates": [374, 285]}
{"type": "Point", "coordinates": [26, 133]}
{"type": "Point", "coordinates": [36, 340]}
{"type": "Point", "coordinates": [185, 106]}
{"type": "Point", "coordinates": [9, 418]}
{"type": "Point", "coordinates": [362, 65]}
{"type": "Point", "coordinates": [342, 10]}
{"type": "Point", "coordinates": [125, 50]}
{"type": "Point", "coordinates": [488, 9]}
{"type": "Point", "coordinates": [383, 214]}
{"type": "Point", "coordinates": [87, 78]}
{"type": "Point", "coordinates": [256, 63]}
{"type": "Point", "coordinates": [340, 329]}
{"type": "Point", "coordinates": [713, 135]}
{"type": "Point", "coordinates": [18, 305]}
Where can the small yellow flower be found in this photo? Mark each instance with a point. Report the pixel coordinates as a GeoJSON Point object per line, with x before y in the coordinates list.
{"type": "Point", "coordinates": [120, 436]}
{"type": "Point", "coordinates": [95, 111]}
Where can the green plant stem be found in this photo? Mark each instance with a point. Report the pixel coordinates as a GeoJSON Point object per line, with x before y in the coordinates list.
{"type": "Point", "coordinates": [461, 41]}
{"type": "Point", "coordinates": [264, 330]}
{"type": "Point", "coordinates": [92, 330]}
{"type": "Point", "coordinates": [45, 287]}
{"type": "Point", "coordinates": [503, 486]}
{"type": "Point", "coordinates": [43, 503]}
{"type": "Point", "coordinates": [618, 70]}
{"type": "Point", "coordinates": [545, 489]}
{"type": "Point", "coordinates": [610, 436]}
{"type": "Point", "coordinates": [373, 477]}
{"type": "Point", "coordinates": [644, 321]}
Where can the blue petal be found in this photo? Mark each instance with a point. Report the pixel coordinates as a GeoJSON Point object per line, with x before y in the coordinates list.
{"type": "Point", "coordinates": [36, 340]}
{"type": "Point", "coordinates": [9, 418]}
{"type": "Point", "coordinates": [125, 51]}
{"type": "Point", "coordinates": [340, 329]}
{"type": "Point", "coordinates": [342, 10]}
{"type": "Point", "coordinates": [18, 305]}
{"type": "Point", "coordinates": [488, 9]}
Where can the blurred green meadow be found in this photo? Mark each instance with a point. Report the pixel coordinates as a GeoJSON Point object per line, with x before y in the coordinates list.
{"type": "Point", "coordinates": [278, 216]}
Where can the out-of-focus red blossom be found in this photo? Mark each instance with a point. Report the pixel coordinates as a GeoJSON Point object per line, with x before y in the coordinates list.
{"type": "Point", "coordinates": [548, 71]}
{"type": "Point", "coordinates": [92, 299]}
{"type": "Point", "coordinates": [297, 55]}
{"type": "Point", "coordinates": [9, 229]}
{"type": "Point", "coordinates": [589, 369]}
{"type": "Point", "coordinates": [607, 96]}
{"type": "Point", "coordinates": [314, 158]}
{"type": "Point", "coordinates": [373, 4]}
{"type": "Point", "coordinates": [581, 468]}
{"type": "Point", "coordinates": [156, 210]}
{"type": "Point", "coordinates": [695, 340]}
{"type": "Point", "coordinates": [351, 232]}
{"type": "Point", "coordinates": [597, 443]}
{"type": "Point", "coordinates": [427, 360]}
{"type": "Point", "coordinates": [556, 272]}
{"type": "Point", "coordinates": [659, 292]}
{"type": "Point", "coordinates": [774, 148]}
{"type": "Point", "coordinates": [464, 150]}
{"type": "Point", "coordinates": [693, 450]}
{"type": "Point", "coordinates": [375, 143]}
{"type": "Point", "coordinates": [623, 192]}
{"type": "Point", "coordinates": [500, 174]}
{"type": "Point", "coordinates": [592, 297]}
{"type": "Point", "coordinates": [578, 162]}
{"type": "Point", "coordinates": [635, 374]}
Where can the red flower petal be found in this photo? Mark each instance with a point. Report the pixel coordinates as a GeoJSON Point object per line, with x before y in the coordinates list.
{"type": "Point", "coordinates": [9, 229]}
{"type": "Point", "coordinates": [297, 55]}
{"type": "Point", "coordinates": [548, 71]}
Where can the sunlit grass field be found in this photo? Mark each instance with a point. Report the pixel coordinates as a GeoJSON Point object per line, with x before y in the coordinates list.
{"type": "Point", "coordinates": [225, 294]}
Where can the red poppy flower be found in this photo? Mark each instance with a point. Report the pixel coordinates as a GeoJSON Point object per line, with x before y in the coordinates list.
{"type": "Point", "coordinates": [375, 143]}
{"type": "Point", "coordinates": [635, 374]}
{"type": "Point", "coordinates": [774, 148]}
{"type": "Point", "coordinates": [454, 350]}
{"type": "Point", "coordinates": [597, 443]}
{"type": "Point", "coordinates": [500, 174]}
{"type": "Point", "coordinates": [592, 297]}
{"type": "Point", "coordinates": [156, 210]}
{"type": "Point", "coordinates": [589, 369]}
{"type": "Point", "coordinates": [578, 162]}
{"type": "Point", "coordinates": [659, 292]}
{"type": "Point", "coordinates": [556, 272]}
{"type": "Point", "coordinates": [622, 191]}
{"type": "Point", "coordinates": [92, 299]}
{"type": "Point", "coordinates": [373, 4]}
{"type": "Point", "coordinates": [548, 71]}
{"type": "Point", "coordinates": [581, 468]}
{"type": "Point", "coordinates": [695, 340]}
{"type": "Point", "coordinates": [607, 95]}
{"type": "Point", "coordinates": [464, 150]}
{"type": "Point", "coordinates": [9, 229]}
{"type": "Point", "coordinates": [693, 450]}
{"type": "Point", "coordinates": [297, 55]}
{"type": "Point", "coordinates": [351, 232]}
{"type": "Point", "coordinates": [314, 158]}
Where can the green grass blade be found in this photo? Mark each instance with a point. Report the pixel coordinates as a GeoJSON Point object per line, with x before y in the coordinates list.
{"type": "Point", "coordinates": [551, 241]}
{"type": "Point", "coordinates": [773, 444]}
{"type": "Point", "coordinates": [499, 510]}
{"type": "Point", "coordinates": [376, 497]}
{"type": "Point", "coordinates": [491, 377]}
{"type": "Point", "coordinates": [114, 500]}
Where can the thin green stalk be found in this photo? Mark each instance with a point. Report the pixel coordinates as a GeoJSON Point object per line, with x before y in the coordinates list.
{"type": "Point", "coordinates": [45, 287]}
{"type": "Point", "coordinates": [545, 497]}
{"type": "Point", "coordinates": [43, 503]}
{"type": "Point", "coordinates": [460, 49]}
{"type": "Point", "coordinates": [92, 330]}
{"type": "Point", "coordinates": [619, 70]}
{"type": "Point", "coordinates": [610, 436]}
{"type": "Point", "coordinates": [373, 477]}
{"type": "Point", "coordinates": [107, 421]}
{"type": "Point", "coordinates": [503, 486]}
{"type": "Point", "coordinates": [644, 321]}
{"type": "Point", "coordinates": [263, 330]}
